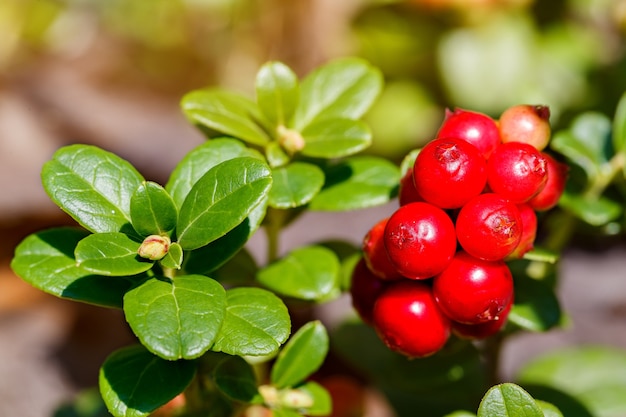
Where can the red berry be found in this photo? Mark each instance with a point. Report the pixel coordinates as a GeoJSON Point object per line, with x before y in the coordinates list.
{"type": "Point", "coordinates": [527, 124]}
{"type": "Point", "coordinates": [420, 240]}
{"type": "Point", "coordinates": [449, 172]}
{"type": "Point", "coordinates": [476, 128]}
{"type": "Point", "coordinates": [517, 171]}
{"type": "Point", "coordinates": [471, 290]}
{"type": "Point", "coordinates": [489, 227]}
{"type": "Point", "coordinates": [407, 193]}
{"type": "Point", "coordinates": [529, 231]}
{"type": "Point", "coordinates": [482, 330]}
{"type": "Point", "coordinates": [375, 254]}
{"type": "Point", "coordinates": [549, 196]}
{"type": "Point", "coordinates": [407, 319]}
{"type": "Point", "coordinates": [364, 290]}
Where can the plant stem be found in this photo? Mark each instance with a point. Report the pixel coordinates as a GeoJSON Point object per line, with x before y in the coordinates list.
{"type": "Point", "coordinates": [491, 350]}
{"type": "Point", "coordinates": [273, 227]}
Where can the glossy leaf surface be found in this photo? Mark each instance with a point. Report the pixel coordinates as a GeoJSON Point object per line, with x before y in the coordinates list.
{"type": "Point", "coordinates": [152, 210]}
{"type": "Point", "coordinates": [508, 399]}
{"type": "Point", "coordinates": [112, 254]}
{"type": "Point", "coordinates": [335, 138]}
{"type": "Point", "coordinates": [277, 92]}
{"type": "Point", "coordinates": [295, 185]}
{"type": "Point", "coordinates": [235, 378]}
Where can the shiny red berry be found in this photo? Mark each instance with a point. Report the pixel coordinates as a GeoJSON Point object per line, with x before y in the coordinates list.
{"type": "Point", "coordinates": [375, 254]}
{"type": "Point", "coordinates": [489, 227]}
{"type": "Point", "coordinates": [408, 320]}
{"type": "Point", "coordinates": [448, 172]}
{"type": "Point", "coordinates": [482, 330]}
{"type": "Point", "coordinates": [527, 124]}
{"type": "Point", "coordinates": [529, 231]}
{"type": "Point", "coordinates": [420, 240]}
{"type": "Point", "coordinates": [471, 290]}
{"type": "Point", "coordinates": [365, 287]}
{"type": "Point", "coordinates": [517, 171]}
{"type": "Point", "coordinates": [549, 196]}
{"type": "Point", "coordinates": [476, 128]}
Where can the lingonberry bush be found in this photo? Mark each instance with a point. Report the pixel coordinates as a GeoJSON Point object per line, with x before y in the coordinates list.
{"type": "Point", "coordinates": [437, 286]}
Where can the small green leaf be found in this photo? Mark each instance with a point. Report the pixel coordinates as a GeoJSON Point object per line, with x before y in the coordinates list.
{"type": "Point", "coordinates": [93, 186]}
{"type": "Point", "coordinates": [506, 400]}
{"type": "Point", "coordinates": [549, 410]}
{"type": "Point", "coordinates": [303, 354]}
{"type": "Point", "coordinates": [408, 161]}
{"type": "Point", "coordinates": [46, 261]}
{"type": "Point", "coordinates": [221, 200]}
{"type": "Point", "coordinates": [595, 211]}
{"type": "Point", "coordinates": [541, 255]}
{"type": "Point", "coordinates": [174, 257]}
{"type": "Point", "coordinates": [225, 112]}
{"type": "Point", "coordinates": [134, 383]}
{"type": "Point", "coordinates": [235, 378]}
{"type": "Point", "coordinates": [295, 185]}
{"type": "Point", "coordinates": [176, 318]}
{"type": "Point", "coordinates": [536, 307]}
{"type": "Point", "coordinates": [152, 210]}
{"type": "Point", "coordinates": [343, 88]}
{"type": "Point", "coordinates": [322, 401]}
{"type": "Point", "coordinates": [276, 155]}
{"type": "Point", "coordinates": [256, 323]}
{"type": "Point", "coordinates": [111, 254]}
{"type": "Point", "coordinates": [619, 127]}
{"type": "Point", "coordinates": [277, 92]}
{"type": "Point", "coordinates": [308, 273]}
{"type": "Point", "coordinates": [357, 182]}
{"type": "Point", "coordinates": [200, 160]}
{"type": "Point", "coordinates": [335, 138]}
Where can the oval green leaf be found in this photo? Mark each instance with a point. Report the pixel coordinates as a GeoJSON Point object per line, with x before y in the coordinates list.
{"type": "Point", "coordinates": [322, 401]}
{"type": "Point", "coordinates": [277, 92]}
{"type": "Point", "coordinates": [133, 382]}
{"type": "Point", "coordinates": [110, 254]}
{"type": "Point", "coordinates": [200, 160]}
{"type": "Point", "coordinates": [276, 155]}
{"type": "Point", "coordinates": [256, 323]}
{"type": "Point", "coordinates": [308, 273]}
{"type": "Point", "coordinates": [357, 182]}
{"type": "Point", "coordinates": [595, 211]}
{"type": "Point", "coordinates": [176, 318]}
{"type": "Point", "coordinates": [343, 88]}
{"type": "Point", "coordinates": [536, 306]}
{"type": "Point", "coordinates": [93, 186]}
{"type": "Point", "coordinates": [221, 199]}
{"type": "Point", "coordinates": [174, 257]}
{"type": "Point", "coordinates": [295, 185]}
{"type": "Point", "coordinates": [235, 378]}
{"type": "Point", "coordinates": [549, 410]}
{"type": "Point", "coordinates": [225, 112]}
{"type": "Point", "coordinates": [303, 354]}
{"type": "Point", "coordinates": [46, 261]}
{"type": "Point", "coordinates": [335, 138]}
{"type": "Point", "coordinates": [152, 210]}
{"type": "Point", "coordinates": [505, 400]}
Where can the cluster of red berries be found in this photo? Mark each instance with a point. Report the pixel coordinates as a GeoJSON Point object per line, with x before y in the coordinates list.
{"type": "Point", "coordinates": [468, 204]}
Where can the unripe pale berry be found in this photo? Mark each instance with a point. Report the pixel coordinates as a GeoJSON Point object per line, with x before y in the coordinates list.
{"type": "Point", "coordinates": [375, 254]}
{"type": "Point", "coordinates": [527, 124]}
{"type": "Point", "coordinates": [471, 290]}
{"type": "Point", "coordinates": [408, 320]}
{"type": "Point", "coordinates": [448, 172]}
{"type": "Point", "coordinates": [420, 240]}
{"type": "Point", "coordinates": [476, 128]}
{"type": "Point", "coordinates": [517, 171]}
{"type": "Point", "coordinates": [489, 227]}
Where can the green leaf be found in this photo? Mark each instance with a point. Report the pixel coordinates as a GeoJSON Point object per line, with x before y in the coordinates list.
{"type": "Point", "coordinates": [357, 182]}
{"type": "Point", "coordinates": [295, 185]}
{"type": "Point", "coordinates": [46, 261]}
{"type": "Point", "coordinates": [541, 255]}
{"type": "Point", "coordinates": [277, 92]}
{"type": "Point", "coordinates": [176, 318]}
{"type": "Point", "coordinates": [308, 273]}
{"type": "Point", "coordinates": [174, 257]}
{"type": "Point", "coordinates": [225, 112]}
{"type": "Point", "coordinates": [595, 211]}
{"type": "Point", "coordinates": [460, 414]}
{"type": "Point", "coordinates": [335, 138]}
{"type": "Point", "coordinates": [256, 323]}
{"type": "Point", "coordinates": [619, 127]}
{"type": "Point", "coordinates": [276, 155]}
{"type": "Point", "coordinates": [587, 143]}
{"type": "Point", "coordinates": [93, 186]}
{"type": "Point", "coordinates": [111, 254]}
{"type": "Point", "coordinates": [240, 270]}
{"type": "Point", "coordinates": [133, 382]}
{"type": "Point", "coordinates": [549, 410]}
{"type": "Point", "coordinates": [506, 400]}
{"type": "Point", "coordinates": [303, 354]}
{"type": "Point", "coordinates": [592, 375]}
{"type": "Point", "coordinates": [536, 306]}
{"type": "Point", "coordinates": [152, 210]}
{"type": "Point", "coordinates": [235, 378]}
{"type": "Point", "coordinates": [200, 160]}
{"type": "Point", "coordinates": [343, 88]}
{"type": "Point", "coordinates": [322, 401]}
{"type": "Point", "coordinates": [408, 161]}
{"type": "Point", "coordinates": [221, 199]}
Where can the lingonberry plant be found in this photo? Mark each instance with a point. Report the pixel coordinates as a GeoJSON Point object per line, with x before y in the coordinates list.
{"type": "Point", "coordinates": [438, 284]}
